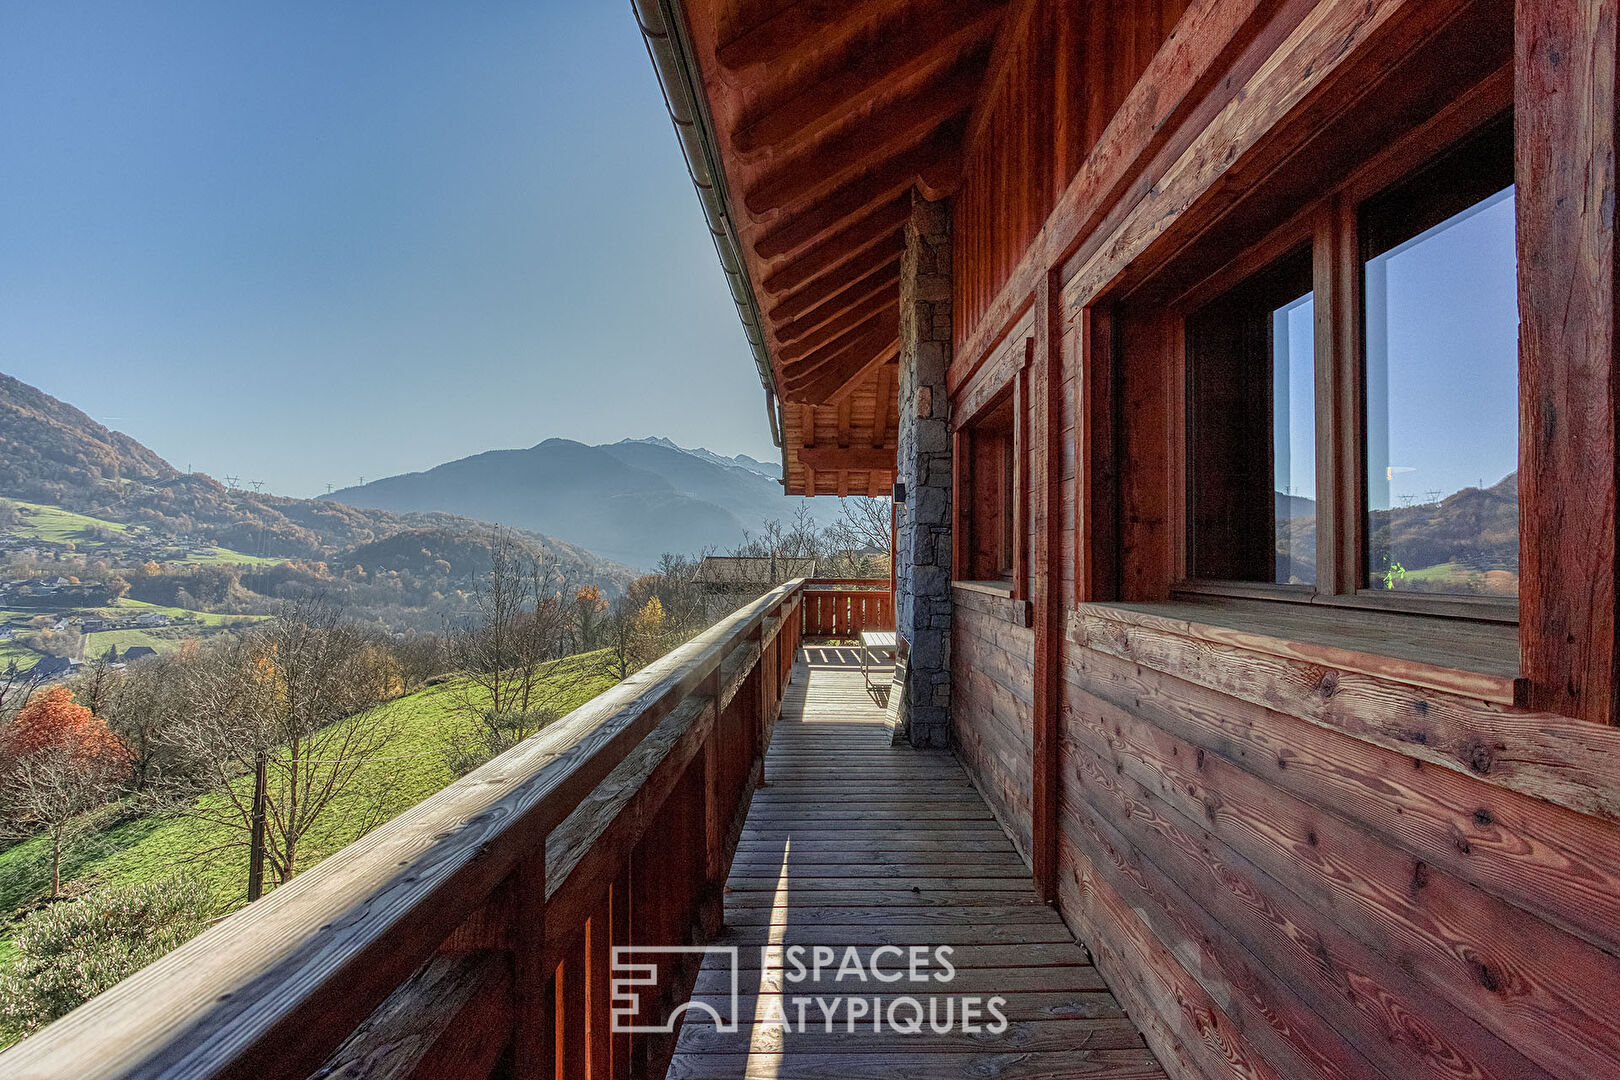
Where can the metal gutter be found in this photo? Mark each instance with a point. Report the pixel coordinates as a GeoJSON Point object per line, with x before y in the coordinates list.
{"type": "Point", "coordinates": [663, 28]}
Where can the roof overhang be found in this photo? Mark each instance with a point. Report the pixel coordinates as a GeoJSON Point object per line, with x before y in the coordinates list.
{"type": "Point", "coordinates": [806, 125]}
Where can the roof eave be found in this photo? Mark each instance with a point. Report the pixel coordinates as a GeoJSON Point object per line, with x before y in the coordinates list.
{"type": "Point", "coordinates": [663, 29]}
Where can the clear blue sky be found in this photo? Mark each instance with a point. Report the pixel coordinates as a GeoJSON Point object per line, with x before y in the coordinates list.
{"type": "Point", "coordinates": [301, 242]}
{"type": "Point", "coordinates": [1446, 414]}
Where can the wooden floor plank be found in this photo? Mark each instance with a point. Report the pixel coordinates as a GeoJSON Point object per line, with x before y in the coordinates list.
{"type": "Point", "coordinates": [1024, 1006]}
{"type": "Point", "coordinates": [880, 855]}
{"type": "Point", "coordinates": [888, 916]}
{"type": "Point", "coordinates": [1070, 1065]}
{"type": "Point", "coordinates": [1071, 978]}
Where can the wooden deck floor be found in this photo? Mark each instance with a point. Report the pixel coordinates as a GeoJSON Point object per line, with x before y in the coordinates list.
{"type": "Point", "coordinates": [854, 843]}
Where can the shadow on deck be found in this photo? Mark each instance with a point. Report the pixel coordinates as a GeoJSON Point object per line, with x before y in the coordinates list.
{"type": "Point", "coordinates": [856, 845]}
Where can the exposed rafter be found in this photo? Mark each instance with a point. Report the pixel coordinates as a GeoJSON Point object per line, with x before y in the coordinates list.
{"type": "Point", "coordinates": [868, 337]}
{"type": "Point", "coordinates": [908, 53]}
{"type": "Point", "coordinates": [791, 24]}
{"type": "Point", "coordinates": [872, 262]}
{"type": "Point", "coordinates": [877, 226]}
{"type": "Point", "coordinates": [829, 114]}
{"type": "Point", "coordinates": [885, 295]}
{"type": "Point", "coordinates": [795, 177]}
{"type": "Point", "coordinates": [839, 380]}
{"type": "Point", "coordinates": [941, 151]}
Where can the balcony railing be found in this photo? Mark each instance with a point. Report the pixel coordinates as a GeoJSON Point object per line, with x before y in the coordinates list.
{"type": "Point", "coordinates": [455, 939]}
{"type": "Point", "coordinates": [843, 607]}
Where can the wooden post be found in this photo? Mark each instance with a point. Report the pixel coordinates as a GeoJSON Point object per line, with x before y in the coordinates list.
{"type": "Point", "coordinates": [534, 1004]}
{"type": "Point", "coordinates": [765, 674]}
{"type": "Point", "coordinates": [573, 1010]}
{"type": "Point", "coordinates": [710, 913]}
{"type": "Point", "coordinates": [1045, 480]}
{"type": "Point", "coordinates": [598, 1033]}
{"type": "Point", "coordinates": [1564, 59]}
{"type": "Point", "coordinates": [619, 923]}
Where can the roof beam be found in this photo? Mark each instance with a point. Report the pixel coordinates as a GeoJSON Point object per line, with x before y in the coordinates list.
{"type": "Point", "coordinates": [871, 333]}
{"type": "Point", "coordinates": [939, 153]}
{"type": "Point", "coordinates": [886, 381]}
{"type": "Point", "coordinates": [791, 24]}
{"type": "Point", "coordinates": [794, 177]}
{"type": "Point", "coordinates": [903, 53]}
{"type": "Point", "coordinates": [837, 381]}
{"type": "Point", "coordinates": [886, 295]}
{"type": "Point", "coordinates": [880, 225]}
{"type": "Point", "coordinates": [873, 262]}
{"type": "Point", "coordinates": [857, 458]}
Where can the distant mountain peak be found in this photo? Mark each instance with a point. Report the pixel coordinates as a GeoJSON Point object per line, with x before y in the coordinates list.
{"type": "Point", "coordinates": [53, 453]}
{"type": "Point", "coordinates": [738, 461]}
{"type": "Point", "coordinates": [633, 500]}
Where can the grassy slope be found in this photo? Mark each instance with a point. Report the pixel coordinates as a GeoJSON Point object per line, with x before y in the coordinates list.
{"type": "Point", "coordinates": [184, 624]}
{"type": "Point", "coordinates": [64, 526]}
{"type": "Point", "coordinates": [154, 845]}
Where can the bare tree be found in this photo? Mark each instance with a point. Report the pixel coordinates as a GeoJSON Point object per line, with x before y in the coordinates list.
{"type": "Point", "coordinates": [293, 705]}
{"type": "Point", "coordinates": [865, 525]}
{"type": "Point", "coordinates": [507, 653]}
{"type": "Point", "coordinates": [94, 683]}
{"type": "Point", "coordinates": [145, 707]}
{"type": "Point", "coordinates": [16, 688]}
{"type": "Point", "coordinates": [51, 790]}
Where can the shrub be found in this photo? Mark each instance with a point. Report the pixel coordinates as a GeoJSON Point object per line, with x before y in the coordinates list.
{"type": "Point", "coordinates": [71, 951]}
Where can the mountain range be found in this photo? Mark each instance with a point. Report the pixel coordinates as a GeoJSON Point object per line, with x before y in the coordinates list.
{"type": "Point", "coordinates": [51, 452]}
{"type": "Point", "coordinates": [630, 501]}
{"type": "Point", "coordinates": [598, 508]}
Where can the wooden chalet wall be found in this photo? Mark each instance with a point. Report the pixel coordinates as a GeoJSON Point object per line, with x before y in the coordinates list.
{"type": "Point", "coordinates": [1289, 866]}
{"type": "Point", "coordinates": [992, 660]}
{"type": "Point", "coordinates": [1057, 74]}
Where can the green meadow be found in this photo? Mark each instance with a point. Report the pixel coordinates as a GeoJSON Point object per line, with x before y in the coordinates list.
{"type": "Point", "coordinates": [122, 845]}
{"type": "Point", "coordinates": [44, 522]}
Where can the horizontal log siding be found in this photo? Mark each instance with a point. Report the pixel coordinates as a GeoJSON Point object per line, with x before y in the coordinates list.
{"type": "Point", "coordinates": [991, 696]}
{"type": "Point", "coordinates": [1268, 895]}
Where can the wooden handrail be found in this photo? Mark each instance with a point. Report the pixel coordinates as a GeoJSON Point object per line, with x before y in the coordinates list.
{"type": "Point", "coordinates": [477, 899]}
{"type": "Point", "coordinates": [863, 584]}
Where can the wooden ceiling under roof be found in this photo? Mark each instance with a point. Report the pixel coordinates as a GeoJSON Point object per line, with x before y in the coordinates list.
{"type": "Point", "coordinates": [827, 114]}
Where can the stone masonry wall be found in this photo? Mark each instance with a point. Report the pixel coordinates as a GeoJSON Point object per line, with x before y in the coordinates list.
{"type": "Point", "coordinates": [923, 561]}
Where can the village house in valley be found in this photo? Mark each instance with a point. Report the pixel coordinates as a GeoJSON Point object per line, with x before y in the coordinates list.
{"type": "Point", "coordinates": [1244, 375]}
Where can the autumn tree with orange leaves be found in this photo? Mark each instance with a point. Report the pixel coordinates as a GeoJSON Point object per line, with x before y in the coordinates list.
{"type": "Point", "coordinates": [57, 762]}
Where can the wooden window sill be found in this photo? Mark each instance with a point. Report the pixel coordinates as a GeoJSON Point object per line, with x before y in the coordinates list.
{"type": "Point", "coordinates": [1383, 602]}
{"type": "Point", "coordinates": [993, 598]}
{"type": "Point", "coordinates": [1471, 660]}
{"type": "Point", "coordinates": [992, 588]}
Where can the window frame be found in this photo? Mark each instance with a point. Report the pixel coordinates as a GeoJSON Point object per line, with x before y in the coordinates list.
{"type": "Point", "coordinates": [1002, 382]}
{"type": "Point", "coordinates": [1247, 290]}
{"type": "Point", "coordinates": [1331, 226]}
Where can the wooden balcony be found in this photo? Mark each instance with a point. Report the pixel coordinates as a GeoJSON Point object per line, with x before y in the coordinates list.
{"type": "Point", "coordinates": [853, 842]}
{"type": "Point", "coordinates": [472, 936]}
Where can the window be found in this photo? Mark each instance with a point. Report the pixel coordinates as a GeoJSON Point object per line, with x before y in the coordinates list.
{"type": "Point", "coordinates": [1252, 429]}
{"type": "Point", "coordinates": [1441, 334]}
{"type": "Point", "coordinates": [1413, 415]}
{"type": "Point", "coordinates": [989, 501]}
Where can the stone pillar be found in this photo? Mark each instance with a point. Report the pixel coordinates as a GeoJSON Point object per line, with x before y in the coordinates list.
{"type": "Point", "coordinates": [923, 552]}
